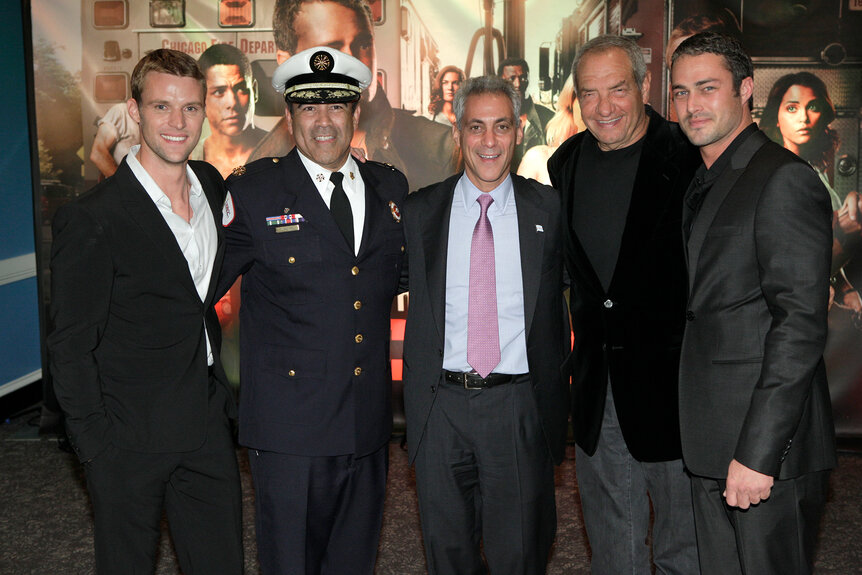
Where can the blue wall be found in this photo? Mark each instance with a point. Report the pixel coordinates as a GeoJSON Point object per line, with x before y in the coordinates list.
{"type": "Point", "coordinates": [20, 356]}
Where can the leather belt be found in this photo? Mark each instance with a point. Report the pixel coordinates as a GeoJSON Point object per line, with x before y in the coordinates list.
{"type": "Point", "coordinates": [473, 380]}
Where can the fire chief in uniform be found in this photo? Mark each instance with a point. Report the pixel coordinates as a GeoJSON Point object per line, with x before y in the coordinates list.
{"type": "Point", "coordinates": [318, 240]}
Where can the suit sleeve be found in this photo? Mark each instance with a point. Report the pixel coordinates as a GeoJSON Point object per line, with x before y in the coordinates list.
{"type": "Point", "coordinates": [239, 243]}
{"type": "Point", "coordinates": [404, 280]}
{"type": "Point", "coordinates": [81, 284]}
{"type": "Point", "coordinates": [793, 245]}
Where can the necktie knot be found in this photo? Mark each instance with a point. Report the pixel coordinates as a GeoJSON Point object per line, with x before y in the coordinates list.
{"type": "Point", "coordinates": [484, 200]}
{"type": "Point", "coordinates": [336, 178]}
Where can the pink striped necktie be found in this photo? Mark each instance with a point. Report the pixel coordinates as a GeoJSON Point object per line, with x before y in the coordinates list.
{"type": "Point", "coordinates": [483, 335]}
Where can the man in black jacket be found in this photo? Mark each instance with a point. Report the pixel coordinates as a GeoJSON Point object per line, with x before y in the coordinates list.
{"type": "Point", "coordinates": [622, 184]}
{"type": "Point", "coordinates": [135, 345]}
{"type": "Point", "coordinates": [755, 415]}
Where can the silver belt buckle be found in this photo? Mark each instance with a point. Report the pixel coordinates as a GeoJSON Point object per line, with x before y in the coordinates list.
{"type": "Point", "coordinates": [467, 382]}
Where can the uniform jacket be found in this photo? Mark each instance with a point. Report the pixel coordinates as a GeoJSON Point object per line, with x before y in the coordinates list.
{"type": "Point", "coordinates": [426, 217]}
{"type": "Point", "coordinates": [314, 319]}
{"type": "Point", "coordinates": [128, 352]}
{"type": "Point", "coordinates": [634, 329]}
{"type": "Point", "coordinates": [752, 380]}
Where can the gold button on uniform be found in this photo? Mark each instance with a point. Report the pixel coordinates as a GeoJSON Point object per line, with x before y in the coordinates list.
{"type": "Point", "coordinates": [357, 371]}
{"type": "Point", "coordinates": [291, 260]}
{"type": "Point", "coordinates": [357, 304]}
{"type": "Point", "coordinates": [358, 338]}
{"type": "Point", "coordinates": [402, 249]}
{"type": "Point", "coordinates": [291, 373]}
{"type": "Point", "coordinates": [354, 270]}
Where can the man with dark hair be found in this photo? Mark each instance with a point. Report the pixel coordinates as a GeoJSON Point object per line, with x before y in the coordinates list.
{"type": "Point", "coordinates": [135, 346]}
{"type": "Point", "coordinates": [231, 95]}
{"type": "Point", "coordinates": [755, 413]}
{"type": "Point", "coordinates": [484, 349]}
{"type": "Point", "coordinates": [422, 149]}
{"type": "Point", "coordinates": [534, 117]}
{"type": "Point", "coordinates": [318, 240]}
{"type": "Point", "coordinates": [622, 183]}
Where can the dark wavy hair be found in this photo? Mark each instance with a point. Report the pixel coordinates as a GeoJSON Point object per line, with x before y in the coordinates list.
{"type": "Point", "coordinates": [820, 151]}
{"type": "Point", "coordinates": [436, 103]}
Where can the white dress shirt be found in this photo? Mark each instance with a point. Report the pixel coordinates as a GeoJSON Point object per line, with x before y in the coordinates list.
{"type": "Point", "coordinates": [503, 215]}
{"type": "Point", "coordinates": [353, 186]}
{"type": "Point", "coordinates": [196, 238]}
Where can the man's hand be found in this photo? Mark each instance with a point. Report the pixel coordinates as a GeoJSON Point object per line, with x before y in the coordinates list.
{"type": "Point", "coordinates": [359, 154]}
{"type": "Point", "coordinates": [848, 214]}
{"type": "Point", "coordinates": [745, 486]}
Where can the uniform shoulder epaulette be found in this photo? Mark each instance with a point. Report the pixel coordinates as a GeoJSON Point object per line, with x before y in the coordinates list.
{"type": "Point", "coordinates": [386, 165]}
{"type": "Point", "coordinates": [254, 167]}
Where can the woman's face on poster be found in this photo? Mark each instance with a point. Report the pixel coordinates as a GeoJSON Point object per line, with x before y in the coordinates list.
{"type": "Point", "coordinates": [449, 84]}
{"type": "Point", "coordinates": [798, 116]}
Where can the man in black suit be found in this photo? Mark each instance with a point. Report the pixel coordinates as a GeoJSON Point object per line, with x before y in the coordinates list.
{"type": "Point", "coordinates": [135, 345]}
{"type": "Point", "coordinates": [756, 420]}
{"type": "Point", "coordinates": [485, 344]}
{"type": "Point", "coordinates": [622, 183]}
{"type": "Point", "coordinates": [318, 240]}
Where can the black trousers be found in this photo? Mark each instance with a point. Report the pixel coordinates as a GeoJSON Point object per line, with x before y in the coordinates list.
{"type": "Point", "coordinates": [485, 477]}
{"type": "Point", "coordinates": [199, 490]}
{"type": "Point", "coordinates": [318, 515]}
{"type": "Point", "coordinates": [775, 537]}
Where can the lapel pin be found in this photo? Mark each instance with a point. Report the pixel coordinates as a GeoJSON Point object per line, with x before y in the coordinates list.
{"type": "Point", "coordinates": [352, 177]}
{"type": "Point", "coordinates": [320, 177]}
{"type": "Point", "coordinates": [539, 228]}
{"type": "Point", "coordinates": [396, 213]}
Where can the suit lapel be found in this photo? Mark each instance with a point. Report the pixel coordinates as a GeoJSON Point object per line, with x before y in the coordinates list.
{"type": "Point", "coordinates": [146, 215]}
{"type": "Point", "coordinates": [373, 208]}
{"type": "Point", "coordinates": [210, 189]}
{"type": "Point", "coordinates": [435, 246]}
{"type": "Point", "coordinates": [531, 242]}
{"type": "Point", "coordinates": [581, 262]}
{"type": "Point", "coordinates": [715, 198]}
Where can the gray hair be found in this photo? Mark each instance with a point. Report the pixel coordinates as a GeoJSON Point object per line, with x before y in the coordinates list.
{"type": "Point", "coordinates": [607, 42]}
{"type": "Point", "coordinates": [486, 85]}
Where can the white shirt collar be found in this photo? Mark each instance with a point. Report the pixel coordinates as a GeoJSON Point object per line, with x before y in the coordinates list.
{"type": "Point", "coordinates": [150, 185]}
{"type": "Point", "coordinates": [502, 194]}
{"type": "Point", "coordinates": [320, 175]}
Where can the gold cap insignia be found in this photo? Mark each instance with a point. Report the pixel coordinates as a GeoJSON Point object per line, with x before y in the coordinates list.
{"type": "Point", "coordinates": [322, 62]}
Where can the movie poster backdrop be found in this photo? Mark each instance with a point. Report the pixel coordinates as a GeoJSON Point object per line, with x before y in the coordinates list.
{"type": "Point", "coordinates": [84, 54]}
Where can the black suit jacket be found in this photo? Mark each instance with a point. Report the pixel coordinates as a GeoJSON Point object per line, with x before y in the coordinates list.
{"type": "Point", "coordinates": [634, 330]}
{"type": "Point", "coordinates": [128, 350]}
{"type": "Point", "coordinates": [752, 381]}
{"type": "Point", "coordinates": [426, 217]}
{"type": "Point", "coordinates": [315, 378]}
